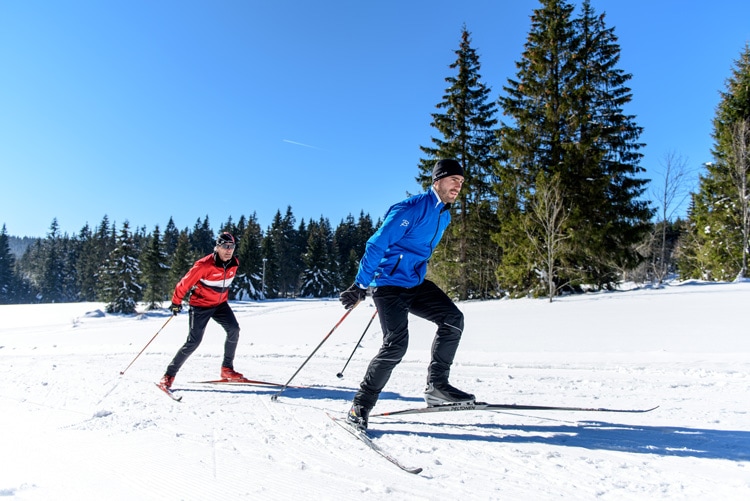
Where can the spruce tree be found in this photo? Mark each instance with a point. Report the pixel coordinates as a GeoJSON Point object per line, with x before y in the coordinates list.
{"type": "Point", "coordinates": [718, 218]}
{"type": "Point", "coordinates": [531, 141]}
{"type": "Point", "coordinates": [285, 251]}
{"type": "Point", "coordinates": [122, 289]}
{"type": "Point", "coordinates": [28, 268]}
{"type": "Point", "coordinates": [155, 271]}
{"type": "Point", "coordinates": [95, 255]}
{"type": "Point", "coordinates": [52, 266]}
{"type": "Point", "coordinates": [567, 121]}
{"type": "Point", "coordinates": [316, 279]}
{"type": "Point", "coordinates": [170, 237]}
{"type": "Point", "coordinates": [464, 263]}
{"type": "Point", "coordinates": [603, 180]}
{"type": "Point", "coordinates": [270, 285]}
{"type": "Point", "coordinates": [71, 251]}
{"type": "Point", "coordinates": [230, 227]}
{"type": "Point", "coordinates": [181, 262]}
{"type": "Point", "coordinates": [87, 266]}
{"type": "Point", "coordinates": [8, 281]}
{"type": "Point", "coordinates": [202, 239]}
{"type": "Point", "coordinates": [248, 281]}
{"type": "Point", "coordinates": [347, 260]}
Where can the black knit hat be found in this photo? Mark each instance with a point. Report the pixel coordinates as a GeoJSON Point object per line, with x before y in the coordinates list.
{"type": "Point", "coordinates": [225, 238]}
{"type": "Point", "coordinates": [446, 167]}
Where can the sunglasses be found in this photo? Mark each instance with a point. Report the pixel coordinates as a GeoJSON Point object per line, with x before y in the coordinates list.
{"type": "Point", "coordinates": [227, 246]}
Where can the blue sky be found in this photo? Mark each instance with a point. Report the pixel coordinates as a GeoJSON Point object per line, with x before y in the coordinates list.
{"type": "Point", "coordinates": [145, 110]}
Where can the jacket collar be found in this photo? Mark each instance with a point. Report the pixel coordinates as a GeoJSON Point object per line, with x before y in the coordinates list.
{"type": "Point", "coordinates": [221, 264]}
{"type": "Point", "coordinates": [438, 204]}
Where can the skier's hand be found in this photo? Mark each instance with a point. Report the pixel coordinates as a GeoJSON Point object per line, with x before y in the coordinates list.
{"type": "Point", "coordinates": [353, 295]}
{"type": "Point", "coordinates": [175, 308]}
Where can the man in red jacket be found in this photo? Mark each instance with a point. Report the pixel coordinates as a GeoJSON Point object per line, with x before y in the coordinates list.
{"type": "Point", "coordinates": [209, 279]}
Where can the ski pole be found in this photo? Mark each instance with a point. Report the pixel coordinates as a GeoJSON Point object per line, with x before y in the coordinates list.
{"type": "Point", "coordinates": [275, 396]}
{"type": "Point", "coordinates": [341, 374]}
{"type": "Point", "coordinates": [144, 348]}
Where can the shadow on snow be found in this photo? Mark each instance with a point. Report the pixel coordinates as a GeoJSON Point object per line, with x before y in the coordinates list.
{"type": "Point", "coordinates": [313, 392]}
{"type": "Point", "coordinates": [732, 445]}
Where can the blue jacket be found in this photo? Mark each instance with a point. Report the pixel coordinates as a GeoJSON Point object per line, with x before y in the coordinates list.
{"type": "Point", "coordinates": [398, 252]}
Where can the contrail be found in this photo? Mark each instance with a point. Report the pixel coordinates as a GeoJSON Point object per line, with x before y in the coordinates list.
{"type": "Point", "coordinates": [300, 144]}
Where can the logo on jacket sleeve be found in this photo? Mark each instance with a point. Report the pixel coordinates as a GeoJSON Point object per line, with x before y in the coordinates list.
{"type": "Point", "coordinates": [405, 222]}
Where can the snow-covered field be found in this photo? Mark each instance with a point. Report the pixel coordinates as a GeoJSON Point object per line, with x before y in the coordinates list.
{"type": "Point", "coordinates": [72, 427]}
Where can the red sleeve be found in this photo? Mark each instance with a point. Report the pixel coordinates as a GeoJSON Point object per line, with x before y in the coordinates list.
{"type": "Point", "coordinates": [188, 281]}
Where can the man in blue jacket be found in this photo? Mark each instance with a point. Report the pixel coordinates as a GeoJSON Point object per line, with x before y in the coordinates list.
{"type": "Point", "coordinates": [395, 264]}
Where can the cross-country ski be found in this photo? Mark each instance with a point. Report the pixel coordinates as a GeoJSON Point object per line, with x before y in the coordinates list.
{"type": "Point", "coordinates": [169, 393]}
{"type": "Point", "coordinates": [363, 437]}
{"type": "Point", "coordinates": [483, 406]}
{"type": "Point", "coordinates": [241, 382]}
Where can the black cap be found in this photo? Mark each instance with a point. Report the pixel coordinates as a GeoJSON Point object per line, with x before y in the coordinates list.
{"type": "Point", "coordinates": [225, 238]}
{"type": "Point", "coordinates": [446, 167]}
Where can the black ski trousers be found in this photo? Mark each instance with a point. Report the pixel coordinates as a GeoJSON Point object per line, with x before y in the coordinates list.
{"type": "Point", "coordinates": [199, 318]}
{"type": "Point", "coordinates": [394, 305]}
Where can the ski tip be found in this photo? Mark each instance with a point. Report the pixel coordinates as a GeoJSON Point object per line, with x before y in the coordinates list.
{"type": "Point", "coordinates": [169, 393]}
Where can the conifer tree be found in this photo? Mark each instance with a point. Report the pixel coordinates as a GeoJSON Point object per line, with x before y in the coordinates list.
{"type": "Point", "coordinates": [530, 142]}
{"type": "Point", "coordinates": [466, 259]}
{"type": "Point", "coordinates": [182, 261]}
{"type": "Point", "coordinates": [71, 249]}
{"type": "Point", "coordinates": [365, 229]}
{"type": "Point", "coordinates": [270, 273]}
{"type": "Point", "coordinates": [170, 237]}
{"type": "Point", "coordinates": [248, 281]}
{"type": "Point", "coordinates": [86, 265]}
{"type": "Point", "coordinates": [202, 239]}
{"type": "Point", "coordinates": [52, 266]}
{"type": "Point", "coordinates": [316, 279]}
{"type": "Point", "coordinates": [8, 281]}
{"type": "Point", "coordinates": [349, 241]}
{"type": "Point", "coordinates": [567, 120]}
{"type": "Point", "coordinates": [28, 268]}
{"type": "Point", "coordinates": [718, 218]}
{"type": "Point", "coordinates": [122, 289]}
{"type": "Point", "coordinates": [602, 182]}
{"type": "Point", "coordinates": [155, 271]}
{"type": "Point", "coordinates": [286, 252]}
{"type": "Point", "coordinates": [347, 260]}
{"type": "Point", "coordinates": [93, 258]}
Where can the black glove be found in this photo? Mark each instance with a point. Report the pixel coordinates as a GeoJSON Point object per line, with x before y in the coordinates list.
{"type": "Point", "coordinates": [353, 295]}
{"type": "Point", "coordinates": [175, 308]}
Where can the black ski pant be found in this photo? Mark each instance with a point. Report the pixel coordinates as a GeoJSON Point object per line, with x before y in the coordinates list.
{"type": "Point", "coordinates": [394, 305]}
{"type": "Point", "coordinates": [199, 318]}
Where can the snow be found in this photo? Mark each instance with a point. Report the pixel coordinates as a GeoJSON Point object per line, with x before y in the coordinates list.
{"type": "Point", "coordinates": [72, 427]}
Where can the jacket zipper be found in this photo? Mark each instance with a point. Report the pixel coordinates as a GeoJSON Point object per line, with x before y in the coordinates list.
{"type": "Point", "coordinates": [395, 266]}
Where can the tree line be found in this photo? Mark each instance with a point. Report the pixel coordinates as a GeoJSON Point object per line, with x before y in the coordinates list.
{"type": "Point", "coordinates": [124, 266]}
{"type": "Point", "coordinates": [554, 198]}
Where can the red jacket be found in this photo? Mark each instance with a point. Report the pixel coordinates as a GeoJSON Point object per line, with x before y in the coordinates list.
{"type": "Point", "coordinates": [210, 278]}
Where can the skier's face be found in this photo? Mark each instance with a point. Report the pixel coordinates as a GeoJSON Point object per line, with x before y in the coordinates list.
{"type": "Point", "coordinates": [448, 188]}
{"type": "Point", "coordinates": [225, 251]}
